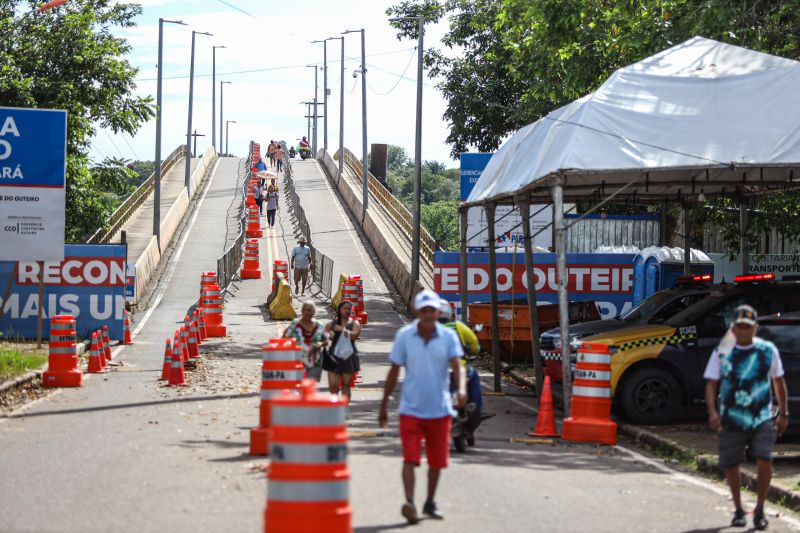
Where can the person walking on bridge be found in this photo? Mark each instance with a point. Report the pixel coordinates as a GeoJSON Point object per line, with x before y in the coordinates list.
{"type": "Point", "coordinates": [271, 197]}
{"type": "Point", "coordinates": [742, 372]}
{"type": "Point", "coordinates": [271, 153]}
{"type": "Point", "coordinates": [301, 263]}
{"type": "Point", "coordinates": [279, 158]}
{"type": "Point", "coordinates": [427, 350]}
{"type": "Point", "coordinates": [338, 363]}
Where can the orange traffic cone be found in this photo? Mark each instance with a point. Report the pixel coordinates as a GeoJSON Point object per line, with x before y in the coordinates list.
{"type": "Point", "coordinates": [176, 374]}
{"type": "Point", "coordinates": [100, 352]}
{"type": "Point", "coordinates": [106, 344]}
{"type": "Point", "coordinates": [184, 344]}
{"type": "Point", "coordinates": [95, 366]}
{"type": "Point", "coordinates": [126, 330]}
{"type": "Point", "coordinates": [546, 419]}
{"type": "Point", "coordinates": [167, 361]}
{"type": "Point", "coordinates": [201, 323]}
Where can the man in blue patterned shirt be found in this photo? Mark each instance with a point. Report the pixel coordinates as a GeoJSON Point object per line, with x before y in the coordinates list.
{"type": "Point", "coordinates": [740, 378]}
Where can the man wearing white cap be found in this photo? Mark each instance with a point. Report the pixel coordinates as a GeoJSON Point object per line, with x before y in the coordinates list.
{"type": "Point", "coordinates": [427, 350]}
{"type": "Point", "coordinates": [739, 379]}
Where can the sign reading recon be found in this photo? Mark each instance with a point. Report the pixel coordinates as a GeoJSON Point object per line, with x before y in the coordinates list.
{"type": "Point", "coordinates": [33, 147]}
{"type": "Point", "coordinates": [88, 283]}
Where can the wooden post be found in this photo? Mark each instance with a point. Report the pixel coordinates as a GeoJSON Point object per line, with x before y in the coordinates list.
{"type": "Point", "coordinates": [490, 209]}
{"type": "Point", "coordinates": [525, 213]}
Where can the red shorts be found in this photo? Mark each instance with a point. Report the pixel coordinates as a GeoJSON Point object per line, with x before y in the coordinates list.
{"type": "Point", "coordinates": [436, 433]}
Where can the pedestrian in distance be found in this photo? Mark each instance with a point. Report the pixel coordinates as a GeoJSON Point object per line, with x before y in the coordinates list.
{"type": "Point", "coordinates": [271, 153]}
{"type": "Point", "coordinates": [739, 374]}
{"type": "Point", "coordinates": [310, 336]}
{"type": "Point", "coordinates": [427, 350]}
{"type": "Point", "coordinates": [279, 158]}
{"type": "Point", "coordinates": [271, 197]}
{"type": "Point", "coordinates": [259, 196]}
{"type": "Point", "coordinates": [301, 263]}
{"type": "Point", "coordinates": [341, 361]}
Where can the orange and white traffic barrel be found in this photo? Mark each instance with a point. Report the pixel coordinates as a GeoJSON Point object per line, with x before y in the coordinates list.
{"type": "Point", "coordinates": [206, 280]}
{"type": "Point", "coordinates": [253, 223]}
{"type": "Point", "coordinates": [590, 416]}
{"type": "Point", "coordinates": [62, 368]}
{"type": "Point", "coordinates": [308, 482]}
{"type": "Point", "coordinates": [281, 369]}
{"type": "Point", "coordinates": [251, 269]}
{"type": "Point", "coordinates": [361, 314]}
{"type": "Point", "coordinates": [212, 311]}
{"type": "Point", "coordinates": [279, 266]}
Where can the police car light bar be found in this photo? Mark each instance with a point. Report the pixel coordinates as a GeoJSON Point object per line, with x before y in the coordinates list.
{"type": "Point", "coordinates": [697, 277]}
{"type": "Point", "coordinates": [754, 277]}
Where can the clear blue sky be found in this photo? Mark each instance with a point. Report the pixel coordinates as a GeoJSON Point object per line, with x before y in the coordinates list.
{"type": "Point", "coordinates": [272, 41]}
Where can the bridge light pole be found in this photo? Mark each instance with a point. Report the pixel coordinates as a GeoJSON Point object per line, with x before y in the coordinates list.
{"type": "Point", "coordinates": [417, 150]}
{"type": "Point", "coordinates": [341, 110]}
{"type": "Point", "coordinates": [227, 123]}
{"type": "Point", "coordinates": [188, 172]}
{"type": "Point", "coordinates": [316, 85]}
{"type": "Point", "coordinates": [308, 121]}
{"type": "Point", "coordinates": [157, 177]}
{"type": "Point", "coordinates": [365, 170]}
{"type": "Point", "coordinates": [324, 92]}
{"type": "Point", "coordinates": [214, 96]}
{"type": "Point", "coordinates": [221, 109]}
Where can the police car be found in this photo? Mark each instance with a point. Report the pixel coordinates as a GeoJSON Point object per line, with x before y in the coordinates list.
{"type": "Point", "coordinates": [658, 369]}
{"type": "Point", "coordinates": [654, 310]}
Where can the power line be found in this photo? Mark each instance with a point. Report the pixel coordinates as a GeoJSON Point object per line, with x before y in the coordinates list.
{"type": "Point", "coordinates": [114, 144]}
{"type": "Point", "coordinates": [399, 78]}
{"type": "Point", "coordinates": [131, 147]}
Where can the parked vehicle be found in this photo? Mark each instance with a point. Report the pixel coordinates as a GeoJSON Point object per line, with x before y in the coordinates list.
{"type": "Point", "coordinates": [658, 369]}
{"type": "Point", "coordinates": [656, 309]}
{"type": "Point", "coordinates": [784, 331]}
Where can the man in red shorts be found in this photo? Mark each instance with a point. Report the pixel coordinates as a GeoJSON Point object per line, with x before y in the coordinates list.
{"type": "Point", "coordinates": [427, 350]}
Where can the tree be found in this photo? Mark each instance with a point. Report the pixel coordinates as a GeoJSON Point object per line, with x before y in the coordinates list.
{"type": "Point", "coordinates": [441, 220]}
{"type": "Point", "coordinates": [143, 170]}
{"type": "Point", "coordinates": [397, 159]}
{"type": "Point", "coordinates": [68, 58]}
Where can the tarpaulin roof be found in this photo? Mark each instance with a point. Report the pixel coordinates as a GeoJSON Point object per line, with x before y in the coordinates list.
{"type": "Point", "coordinates": [700, 117]}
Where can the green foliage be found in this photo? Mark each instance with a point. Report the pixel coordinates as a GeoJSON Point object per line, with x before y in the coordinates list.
{"type": "Point", "coordinates": [441, 219]}
{"type": "Point", "coordinates": [14, 362]}
{"type": "Point", "coordinates": [143, 170]}
{"type": "Point", "coordinates": [67, 58]}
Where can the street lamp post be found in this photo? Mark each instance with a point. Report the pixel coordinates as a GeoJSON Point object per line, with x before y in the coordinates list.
{"type": "Point", "coordinates": [341, 111]}
{"type": "Point", "coordinates": [324, 92]}
{"type": "Point", "coordinates": [157, 180]}
{"type": "Point", "coordinates": [221, 116]}
{"type": "Point", "coordinates": [316, 86]}
{"type": "Point", "coordinates": [214, 96]}
{"type": "Point", "coordinates": [365, 170]}
{"type": "Point", "coordinates": [417, 151]}
{"type": "Point", "coordinates": [227, 123]}
{"type": "Point", "coordinates": [195, 135]}
{"type": "Point", "coordinates": [188, 172]}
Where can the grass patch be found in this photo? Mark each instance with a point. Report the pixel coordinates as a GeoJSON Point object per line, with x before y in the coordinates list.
{"type": "Point", "coordinates": [14, 362]}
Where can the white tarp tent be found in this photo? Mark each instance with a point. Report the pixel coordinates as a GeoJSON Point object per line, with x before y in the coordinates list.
{"type": "Point", "coordinates": [701, 116]}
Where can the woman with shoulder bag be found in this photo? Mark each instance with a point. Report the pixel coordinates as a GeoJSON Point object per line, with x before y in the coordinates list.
{"type": "Point", "coordinates": [340, 359]}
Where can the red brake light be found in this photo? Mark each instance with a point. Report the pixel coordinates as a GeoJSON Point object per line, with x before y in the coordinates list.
{"type": "Point", "coordinates": [754, 277]}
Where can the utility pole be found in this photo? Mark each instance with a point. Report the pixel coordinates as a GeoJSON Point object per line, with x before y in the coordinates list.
{"type": "Point", "coordinates": [221, 116]}
{"type": "Point", "coordinates": [195, 135]}
{"type": "Point", "coordinates": [365, 170]}
{"type": "Point", "coordinates": [188, 172]}
{"type": "Point", "coordinates": [341, 111]}
{"type": "Point", "coordinates": [324, 91]}
{"type": "Point", "coordinates": [417, 150]}
{"type": "Point", "coordinates": [308, 120]}
{"type": "Point", "coordinates": [157, 179]}
{"type": "Point", "coordinates": [314, 146]}
{"type": "Point", "coordinates": [214, 96]}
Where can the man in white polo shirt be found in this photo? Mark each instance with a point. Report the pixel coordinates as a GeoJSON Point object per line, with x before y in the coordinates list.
{"type": "Point", "coordinates": [427, 350]}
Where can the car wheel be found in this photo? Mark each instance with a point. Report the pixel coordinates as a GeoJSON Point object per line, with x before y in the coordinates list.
{"type": "Point", "coordinates": [651, 396]}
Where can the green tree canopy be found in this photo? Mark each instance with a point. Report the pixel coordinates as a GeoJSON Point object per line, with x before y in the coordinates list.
{"type": "Point", "coordinates": [68, 58]}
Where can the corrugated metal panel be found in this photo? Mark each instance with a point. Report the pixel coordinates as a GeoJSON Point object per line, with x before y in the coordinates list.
{"type": "Point", "coordinates": [587, 234]}
{"type": "Point", "coordinates": [771, 242]}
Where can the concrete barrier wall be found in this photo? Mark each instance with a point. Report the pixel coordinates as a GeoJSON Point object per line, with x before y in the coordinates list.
{"type": "Point", "coordinates": [148, 262]}
{"type": "Point", "coordinates": [391, 261]}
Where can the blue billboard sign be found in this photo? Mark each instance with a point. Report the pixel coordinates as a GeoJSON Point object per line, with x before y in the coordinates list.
{"type": "Point", "coordinates": [33, 162]}
{"type": "Point", "coordinates": [472, 166]}
{"type": "Point", "coordinates": [89, 283]}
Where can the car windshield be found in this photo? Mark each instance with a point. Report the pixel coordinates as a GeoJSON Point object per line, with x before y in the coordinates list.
{"type": "Point", "coordinates": [648, 306]}
{"type": "Point", "coordinates": [692, 313]}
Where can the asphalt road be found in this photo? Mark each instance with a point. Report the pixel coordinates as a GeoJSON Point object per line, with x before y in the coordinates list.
{"type": "Point", "coordinates": [124, 453]}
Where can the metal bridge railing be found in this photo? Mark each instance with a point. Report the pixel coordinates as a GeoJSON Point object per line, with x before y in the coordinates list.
{"type": "Point", "coordinates": [394, 207]}
{"type": "Point", "coordinates": [322, 272]}
{"type": "Point", "coordinates": [229, 262]}
{"type": "Point", "coordinates": [129, 206]}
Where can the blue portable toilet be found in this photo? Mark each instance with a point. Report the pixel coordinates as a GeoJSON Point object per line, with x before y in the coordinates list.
{"type": "Point", "coordinates": [659, 267]}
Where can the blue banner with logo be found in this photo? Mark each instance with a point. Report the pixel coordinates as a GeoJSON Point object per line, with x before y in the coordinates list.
{"type": "Point", "coordinates": [472, 166]}
{"type": "Point", "coordinates": [88, 284]}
